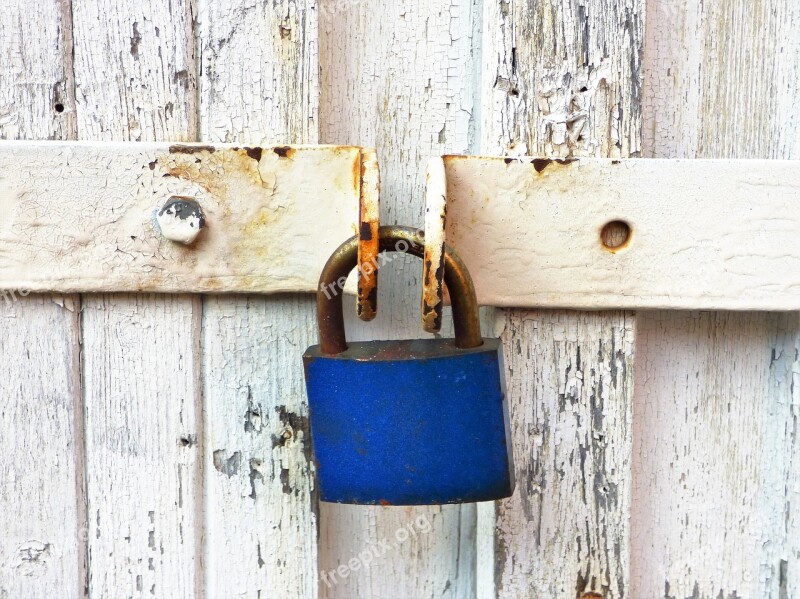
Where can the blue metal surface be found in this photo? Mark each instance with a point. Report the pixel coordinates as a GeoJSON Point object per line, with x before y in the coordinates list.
{"type": "Point", "coordinates": [410, 423]}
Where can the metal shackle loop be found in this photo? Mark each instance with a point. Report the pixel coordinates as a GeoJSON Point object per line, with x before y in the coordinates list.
{"type": "Point", "coordinates": [456, 277]}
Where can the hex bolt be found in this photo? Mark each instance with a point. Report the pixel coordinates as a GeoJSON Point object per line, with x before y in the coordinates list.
{"type": "Point", "coordinates": [181, 219]}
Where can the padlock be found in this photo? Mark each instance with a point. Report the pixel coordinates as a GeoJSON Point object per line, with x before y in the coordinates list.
{"type": "Point", "coordinates": [413, 422]}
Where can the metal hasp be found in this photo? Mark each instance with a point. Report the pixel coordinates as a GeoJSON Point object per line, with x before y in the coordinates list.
{"type": "Point", "coordinates": [413, 422]}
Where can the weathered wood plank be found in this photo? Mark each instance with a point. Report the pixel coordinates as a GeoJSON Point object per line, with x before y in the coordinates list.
{"type": "Point", "coordinates": [258, 461]}
{"type": "Point", "coordinates": [703, 234]}
{"type": "Point", "coordinates": [570, 383]}
{"type": "Point", "coordinates": [135, 80]}
{"type": "Point", "coordinates": [134, 70]}
{"type": "Point", "coordinates": [273, 216]}
{"type": "Point", "coordinates": [399, 75]}
{"type": "Point", "coordinates": [562, 79]}
{"type": "Point", "coordinates": [43, 536]}
{"type": "Point", "coordinates": [715, 432]}
{"type": "Point", "coordinates": [41, 466]}
{"type": "Point", "coordinates": [37, 95]}
{"type": "Point", "coordinates": [259, 71]}
{"type": "Point", "coordinates": [716, 457]}
{"type": "Point", "coordinates": [259, 84]}
{"type": "Point", "coordinates": [143, 431]}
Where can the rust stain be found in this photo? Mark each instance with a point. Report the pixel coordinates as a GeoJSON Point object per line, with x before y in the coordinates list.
{"type": "Point", "coordinates": [254, 153]}
{"type": "Point", "coordinates": [383, 502]}
{"type": "Point", "coordinates": [368, 245]}
{"type": "Point", "coordinates": [616, 236]}
{"type": "Point", "coordinates": [540, 164]}
{"type": "Point", "coordinates": [212, 172]}
{"type": "Point", "coordinates": [181, 149]}
{"type": "Point", "coordinates": [284, 151]}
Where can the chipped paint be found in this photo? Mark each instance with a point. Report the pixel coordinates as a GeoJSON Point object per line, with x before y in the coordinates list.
{"type": "Point", "coordinates": [433, 260]}
{"type": "Point", "coordinates": [181, 219]}
{"type": "Point", "coordinates": [258, 203]}
{"type": "Point", "coordinates": [368, 238]}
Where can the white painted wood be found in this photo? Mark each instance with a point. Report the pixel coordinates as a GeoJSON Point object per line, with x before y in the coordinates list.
{"type": "Point", "coordinates": [134, 70]}
{"type": "Point", "coordinates": [716, 454]}
{"type": "Point", "coordinates": [43, 531]}
{"type": "Point", "coordinates": [135, 80]}
{"type": "Point", "coordinates": [562, 79]}
{"type": "Point", "coordinates": [716, 449]}
{"type": "Point", "coordinates": [570, 381]}
{"type": "Point", "coordinates": [273, 216]}
{"type": "Point", "coordinates": [143, 437]}
{"type": "Point", "coordinates": [704, 234]}
{"type": "Point", "coordinates": [260, 503]}
{"type": "Point", "coordinates": [259, 82]}
{"type": "Point", "coordinates": [259, 71]}
{"type": "Point", "coordinates": [37, 95]}
{"type": "Point", "coordinates": [41, 467]}
{"type": "Point", "coordinates": [399, 75]}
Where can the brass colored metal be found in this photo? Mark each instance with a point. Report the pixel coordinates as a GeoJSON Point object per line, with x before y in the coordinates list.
{"type": "Point", "coordinates": [393, 239]}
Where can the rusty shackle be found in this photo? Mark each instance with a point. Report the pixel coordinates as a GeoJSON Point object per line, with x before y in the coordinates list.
{"type": "Point", "coordinates": [456, 277]}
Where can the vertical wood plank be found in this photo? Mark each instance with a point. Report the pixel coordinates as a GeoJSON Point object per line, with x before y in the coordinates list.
{"type": "Point", "coordinates": [134, 70]}
{"type": "Point", "coordinates": [261, 516]}
{"type": "Point", "coordinates": [570, 378]}
{"type": "Point", "coordinates": [134, 77]}
{"type": "Point", "coordinates": [41, 465]}
{"type": "Point", "coordinates": [141, 390]}
{"type": "Point", "coordinates": [259, 84]}
{"type": "Point", "coordinates": [259, 71]}
{"type": "Point", "coordinates": [400, 76]}
{"type": "Point", "coordinates": [715, 431]}
{"type": "Point", "coordinates": [563, 78]}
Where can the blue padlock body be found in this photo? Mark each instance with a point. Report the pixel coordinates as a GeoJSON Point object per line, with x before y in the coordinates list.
{"type": "Point", "coordinates": [412, 422]}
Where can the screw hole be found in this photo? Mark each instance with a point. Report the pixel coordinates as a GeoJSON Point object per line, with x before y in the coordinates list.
{"type": "Point", "coordinates": [615, 235]}
{"type": "Point", "coordinates": [59, 107]}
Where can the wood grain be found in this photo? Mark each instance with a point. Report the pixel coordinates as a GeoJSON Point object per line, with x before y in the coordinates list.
{"type": "Point", "coordinates": [259, 71]}
{"type": "Point", "coordinates": [135, 80]}
{"type": "Point", "coordinates": [716, 455]}
{"type": "Point", "coordinates": [718, 409]}
{"type": "Point", "coordinates": [41, 545]}
{"type": "Point", "coordinates": [43, 538]}
{"type": "Point", "coordinates": [560, 533]}
{"type": "Point", "coordinates": [143, 437]}
{"type": "Point", "coordinates": [563, 79]}
{"type": "Point", "coordinates": [259, 84]}
{"type": "Point", "coordinates": [400, 76]}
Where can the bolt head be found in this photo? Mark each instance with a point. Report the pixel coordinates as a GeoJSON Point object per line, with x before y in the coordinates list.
{"type": "Point", "coordinates": [181, 219]}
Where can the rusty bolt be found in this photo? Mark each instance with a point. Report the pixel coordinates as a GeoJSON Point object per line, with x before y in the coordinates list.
{"type": "Point", "coordinates": [181, 219]}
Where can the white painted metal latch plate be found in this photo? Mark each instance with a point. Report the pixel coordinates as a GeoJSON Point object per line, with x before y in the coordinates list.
{"type": "Point", "coordinates": [80, 217]}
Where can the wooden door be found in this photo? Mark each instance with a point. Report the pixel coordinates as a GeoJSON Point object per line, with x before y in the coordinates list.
{"type": "Point", "coordinates": [157, 445]}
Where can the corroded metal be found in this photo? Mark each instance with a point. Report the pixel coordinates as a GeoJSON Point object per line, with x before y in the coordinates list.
{"type": "Point", "coordinates": [181, 219]}
{"type": "Point", "coordinates": [433, 262]}
{"type": "Point", "coordinates": [368, 244]}
{"type": "Point", "coordinates": [393, 239]}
